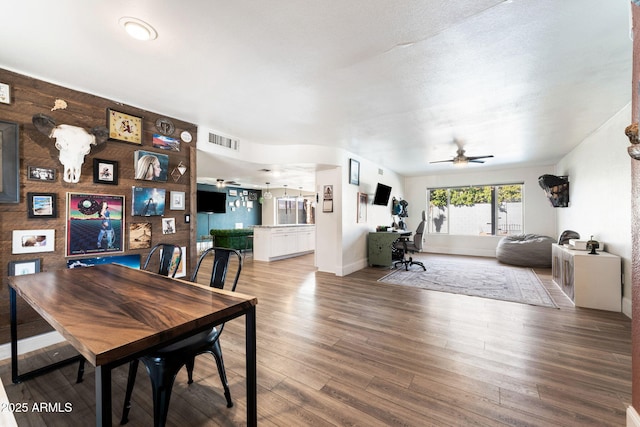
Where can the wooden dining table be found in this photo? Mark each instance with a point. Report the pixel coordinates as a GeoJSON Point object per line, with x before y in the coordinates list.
{"type": "Point", "coordinates": [112, 314]}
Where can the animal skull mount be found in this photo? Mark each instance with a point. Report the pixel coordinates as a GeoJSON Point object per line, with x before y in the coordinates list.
{"type": "Point", "coordinates": [72, 142]}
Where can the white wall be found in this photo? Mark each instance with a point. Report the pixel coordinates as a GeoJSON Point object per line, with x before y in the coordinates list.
{"type": "Point", "coordinates": [599, 171]}
{"type": "Point", "coordinates": [539, 216]}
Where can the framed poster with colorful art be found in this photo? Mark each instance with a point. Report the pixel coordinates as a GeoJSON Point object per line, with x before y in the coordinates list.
{"type": "Point", "coordinates": [95, 224]}
{"type": "Point", "coordinates": [124, 127]}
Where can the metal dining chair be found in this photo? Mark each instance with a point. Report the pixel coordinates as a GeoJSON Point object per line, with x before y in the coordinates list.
{"type": "Point", "coordinates": [169, 263]}
{"type": "Point", "coordinates": [164, 364]}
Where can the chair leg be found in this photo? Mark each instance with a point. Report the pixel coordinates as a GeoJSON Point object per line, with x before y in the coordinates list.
{"type": "Point", "coordinates": [190, 364]}
{"type": "Point", "coordinates": [216, 350]}
{"type": "Point", "coordinates": [80, 371]}
{"type": "Point", "coordinates": [131, 380]}
{"type": "Point", "coordinates": [162, 372]}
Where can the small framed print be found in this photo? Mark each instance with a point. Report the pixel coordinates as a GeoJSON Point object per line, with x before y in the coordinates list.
{"type": "Point", "coordinates": [5, 93]}
{"type": "Point", "coordinates": [177, 200]}
{"type": "Point", "coordinates": [105, 172]}
{"type": "Point", "coordinates": [140, 235]}
{"type": "Point", "coordinates": [362, 207]}
{"type": "Point", "coordinates": [20, 268]}
{"type": "Point", "coordinates": [36, 173]}
{"type": "Point", "coordinates": [32, 241]}
{"type": "Point", "coordinates": [168, 225]}
{"type": "Point", "coordinates": [42, 205]}
{"type": "Point", "coordinates": [354, 172]}
{"type": "Point", "coordinates": [124, 127]}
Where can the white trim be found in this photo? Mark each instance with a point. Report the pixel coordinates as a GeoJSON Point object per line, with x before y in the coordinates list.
{"type": "Point", "coordinates": [32, 343]}
{"type": "Point", "coordinates": [633, 419]}
{"type": "Point", "coordinates": [626, 307]}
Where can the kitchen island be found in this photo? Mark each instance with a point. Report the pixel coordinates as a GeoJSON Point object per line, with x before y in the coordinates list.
{"type": "Point", "coordinates": [274, 242]}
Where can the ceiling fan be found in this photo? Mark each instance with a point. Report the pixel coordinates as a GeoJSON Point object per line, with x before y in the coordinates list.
{"type": "Point", "coordinates": [461, 159]}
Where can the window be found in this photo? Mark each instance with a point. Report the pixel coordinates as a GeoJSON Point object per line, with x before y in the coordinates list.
{"type": "Point", "coordinates": [487, 210]}
{"type": "Point", "coordinates": [295, 210]}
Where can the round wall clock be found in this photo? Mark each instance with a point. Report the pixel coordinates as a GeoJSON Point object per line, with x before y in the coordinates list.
{"type": "Point", "coordinates": [185, 136]}
{"type": "Point", "coordinates": [165, 126]}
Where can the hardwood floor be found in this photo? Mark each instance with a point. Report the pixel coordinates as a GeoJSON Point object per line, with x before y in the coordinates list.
{"type": "Point", "coordinates": [336, 351]}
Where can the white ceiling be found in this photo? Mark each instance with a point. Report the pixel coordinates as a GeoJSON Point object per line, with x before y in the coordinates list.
{"type": "Point", "coordinates": [392, 81]}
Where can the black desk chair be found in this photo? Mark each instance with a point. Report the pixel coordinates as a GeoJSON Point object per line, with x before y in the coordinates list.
{"type": "Point", "coordinates": [170, 258]}
{"type": "Point", "coordinates": [164, 364]}
{"type": "Point", "coordinates": [406, 246]}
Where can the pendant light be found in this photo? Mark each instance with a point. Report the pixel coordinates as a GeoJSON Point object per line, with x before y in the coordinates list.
{"type": "Point", "coordinates": [267, 194]}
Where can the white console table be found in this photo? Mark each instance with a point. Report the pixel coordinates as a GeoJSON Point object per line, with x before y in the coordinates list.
{"type": "Point", "coordinates": [591, 281]}
{"type": "Point", "coordinates": [271, 243]}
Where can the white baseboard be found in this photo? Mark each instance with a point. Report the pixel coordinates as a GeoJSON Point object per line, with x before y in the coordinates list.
{"type": "Point", "coordinates": [32, 343]}
{"type": "Point", "coordinates": [626, 307]}
{"type": "Point", "coordinates": [633, 419]}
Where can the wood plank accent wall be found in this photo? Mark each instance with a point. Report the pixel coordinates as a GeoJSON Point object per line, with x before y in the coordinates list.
{"type": "Point", "coordinates": [31, 96]}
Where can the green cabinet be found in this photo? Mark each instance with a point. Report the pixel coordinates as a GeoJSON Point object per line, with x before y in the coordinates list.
{"type": "Point", "coordinates": [380, 247]}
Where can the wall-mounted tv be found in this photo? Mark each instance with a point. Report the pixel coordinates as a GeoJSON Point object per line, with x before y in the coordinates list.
{"type": "Point", "coordinates": [381, 197]}
{"type": "Point", "coordinates": [211, 202]}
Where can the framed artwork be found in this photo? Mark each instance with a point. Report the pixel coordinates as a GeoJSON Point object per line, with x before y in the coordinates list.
{"type": "Point", "coordinates": [150, 166]}
{"type": "Point", "coordinates": [148, 201]}
{"type": "Point", "coordinates": [42, 205]}
{"type": "Point", "coordinates": [327, 198]}
{"type": "Point", "coordinates": [95, 224]}
{"type": "Point", "coordinates": [20, 268]}
{"type": "Point", "coordinates": [36, 173]}
{"type": "Point", "coordinates": [362, 207]}
{"type": "Point", "coordinates": [233, 193]}
{"type": "Point", "coordinates": [124, 127]}
{"type": "Point", "coordinates": [132, 261]}
{"type": "Point", "coordinates": [10, 163]}
{"type": "Point", "coordinates": [168, 225]}
{"type": "Point", "coordinates": [165, 142]}
{"type": "Point", "coordinates": [33, 241]}
{"type": "Point", "coordinates": [140, 235]}
{"type": "Point", "coordinates": [5, 93]}
{"type": "Point", "coordinates": [105, 171]}
{"type": "Point", "coordinates": [354, 172]}
{"type": "Point", "coordinates": [176, 200]}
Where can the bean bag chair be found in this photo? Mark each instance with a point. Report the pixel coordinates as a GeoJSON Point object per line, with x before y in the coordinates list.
{"type": "Point", "coordinates": [526, 250]}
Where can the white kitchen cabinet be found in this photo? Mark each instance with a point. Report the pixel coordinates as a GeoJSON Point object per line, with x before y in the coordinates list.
{"type": "Point", "coordinates": [271, 243]}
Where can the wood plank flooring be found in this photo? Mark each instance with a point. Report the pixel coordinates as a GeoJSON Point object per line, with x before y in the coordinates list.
{"type": "Point", "coordinates": [335, 351]}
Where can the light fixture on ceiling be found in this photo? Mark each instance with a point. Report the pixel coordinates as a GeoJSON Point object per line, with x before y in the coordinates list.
{"type": "Point", "coordinates": [138, 29]}
{"type": "Point", "coordinates": [219, 183]}
{"type": "Point", "coordinates": [300, 197]}
{"type": "Point", "coordinates": [285, 190]}
{"type": "Point", "coordinates": [267, 194]}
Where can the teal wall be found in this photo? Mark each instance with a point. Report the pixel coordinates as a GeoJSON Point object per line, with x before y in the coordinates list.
{"type": "Point", "coordinates": [247, 217]}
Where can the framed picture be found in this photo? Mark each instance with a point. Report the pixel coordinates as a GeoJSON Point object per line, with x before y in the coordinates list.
{"type": "Point", "coordinates": [20, 268]}
{"type": "Point", "coordinates": [150, 166]}
{"type": "Point", "coordinates": [36, 173]}
{"type": "Point", "coordinates": [362, 207]}
{"type": "Point", "coordinates": [132, 261]}
{"type": "Point", "coordinates": [148, 201]}
{"type": "Point", "coordinates": [140, 235]}
{"type": "Point", "coordinates": [165, 142]}
{"type": "Point", "coordinates": [42, 205]}
{"type": "Point", "coordinates": [105, 172]}
{"type": "Point", "coordinates": [124, 127]}
{"type": "Point", "coordinates": [233, 193]}
{"type": "Point", "coordinates": [354, 172]}
{"type": "Point", "coordinates": [33, 241]}
{"type": "Point", "coordinates": [10, 162]}
{"type": "Point", "coordinates": [168, 225]}
{"type": "Point", "coordinates": [95, 224]}
{"type": "Point", "coordinates": [5, 93]}
{"type": "Point", "coordinates": [176, 200]}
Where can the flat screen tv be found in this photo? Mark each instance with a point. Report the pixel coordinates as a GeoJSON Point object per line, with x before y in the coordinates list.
{"type": "Point", "coordinates": [383, 192]}
{"type": "Point", "coordinates": [211, 202]}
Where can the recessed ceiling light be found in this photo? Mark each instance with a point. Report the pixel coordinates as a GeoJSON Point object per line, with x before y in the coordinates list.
{"type": "Point", "coordinates": [138, 29]}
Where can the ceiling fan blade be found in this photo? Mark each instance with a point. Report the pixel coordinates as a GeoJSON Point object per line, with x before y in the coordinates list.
{"type": "Point", "coordinates": [471, 158]}
{"type": "Point", "coordinates": [442, 161]}
{"type": "Point", "coordinates": [475, 161]}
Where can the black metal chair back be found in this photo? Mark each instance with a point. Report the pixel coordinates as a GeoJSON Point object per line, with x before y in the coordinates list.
{"type": "Point", "coordinates": [170, 258]}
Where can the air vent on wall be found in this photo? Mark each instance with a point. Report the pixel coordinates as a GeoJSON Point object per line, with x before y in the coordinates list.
{"type": "Point", "coordinates": [224, 141]}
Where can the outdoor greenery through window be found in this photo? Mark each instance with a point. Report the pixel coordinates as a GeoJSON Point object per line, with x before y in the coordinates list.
{"type": "Point", "coordinates": [476, 210]}
{"type": "Point", "coordinates": [295, 210]}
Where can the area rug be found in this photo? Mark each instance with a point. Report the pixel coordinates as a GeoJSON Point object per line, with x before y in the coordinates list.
{"type": "Point", "coordinates": [516, 284]}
